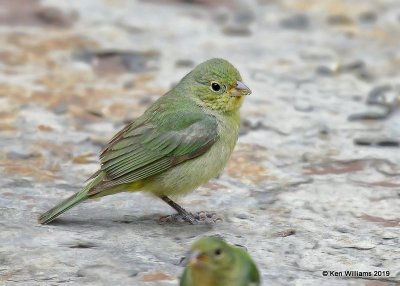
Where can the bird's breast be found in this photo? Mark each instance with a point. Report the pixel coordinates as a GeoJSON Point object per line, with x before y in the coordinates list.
{"type": "Point", "coordinates": [191, 174]}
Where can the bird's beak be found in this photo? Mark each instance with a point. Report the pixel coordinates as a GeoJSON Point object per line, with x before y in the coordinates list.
{"type": "Point", "coordinates": [240, 89]}
{"type": "Point", "coordinates": [195, 257]}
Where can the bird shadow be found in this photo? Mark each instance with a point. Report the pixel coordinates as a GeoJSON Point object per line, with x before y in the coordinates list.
{"type": "Point", "coordinates": [145, 220]}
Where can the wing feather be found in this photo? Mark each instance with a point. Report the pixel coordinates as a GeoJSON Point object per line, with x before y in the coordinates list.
{"type": "Point", "coordinates": [143, 150]}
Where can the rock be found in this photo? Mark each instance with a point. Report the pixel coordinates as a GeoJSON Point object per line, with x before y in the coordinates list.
{"type": "Point", "coordinates": [339, 20]}
{"type": "Point", "coordinates": [55, 17]}
{"type": "Point", "coordinates": [185, 63]}
{"type": "Point", "coordinates": [297, 193]}
{"type": "Point", "coordinates": [368, 17]}
{"type": "Point", "coordinates": [236, 30]}
{"type": "Point", "coordinates": [114, 61]}
{"type": "Point", "coordinates": [296, 22]}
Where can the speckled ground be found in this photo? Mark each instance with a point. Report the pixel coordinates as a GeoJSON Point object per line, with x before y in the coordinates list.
{"type": "Point", "coordinates": [313, 185]}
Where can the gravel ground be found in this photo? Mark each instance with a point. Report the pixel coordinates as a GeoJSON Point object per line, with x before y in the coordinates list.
{"type": "Point", "coordinates": [313, 184]}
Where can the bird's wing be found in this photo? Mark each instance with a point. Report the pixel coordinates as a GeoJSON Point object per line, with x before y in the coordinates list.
{"type": "Point", "coordinates": [248, 270]}
{"type": "Point", "coordinates": [147, 147]}
{"type": "Point", "coordinates": [254, 275]}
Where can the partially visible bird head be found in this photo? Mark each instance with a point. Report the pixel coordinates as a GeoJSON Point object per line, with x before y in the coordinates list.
{"type": "Point", "coordinates": [218, 84]}
{"type": "Point", "coordinates": [210, 254]}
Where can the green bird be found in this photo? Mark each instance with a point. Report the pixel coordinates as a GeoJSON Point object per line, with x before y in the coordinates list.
{"type": "Point", "coordinates": [181, 141]}
{"type": "Point", "coordinates": [213, 262]}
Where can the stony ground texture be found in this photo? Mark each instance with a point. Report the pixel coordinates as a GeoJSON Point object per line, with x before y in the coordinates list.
{"type": "Point", "coordinates": [314, 182]}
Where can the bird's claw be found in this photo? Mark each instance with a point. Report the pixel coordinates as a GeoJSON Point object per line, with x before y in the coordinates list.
{"type": "Point", "coordinates": [205, 218]}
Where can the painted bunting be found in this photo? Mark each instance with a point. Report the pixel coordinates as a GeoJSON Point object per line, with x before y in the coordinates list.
{"type": "Point", "coordinates": [182, 140]}
{"type": "Point", "coordinates": [213, 262]}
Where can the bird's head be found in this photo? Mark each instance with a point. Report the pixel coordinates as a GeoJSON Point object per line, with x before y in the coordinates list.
{"type": "Point", "coordinates": [218, 85]}
{"type": "Point", "coordinates": [210, 254]}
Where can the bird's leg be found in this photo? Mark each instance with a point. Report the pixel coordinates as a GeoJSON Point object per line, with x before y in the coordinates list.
{"type": "Point", "coordinates": [197, 218]}
{"type": "Point", "coordinates": [187, 216]}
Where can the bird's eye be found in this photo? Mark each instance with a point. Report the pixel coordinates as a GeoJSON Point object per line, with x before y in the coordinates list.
{"type": "Point", "coordinates": [218, 252]}
{"type": "Point", "coordinates": [215, 86]}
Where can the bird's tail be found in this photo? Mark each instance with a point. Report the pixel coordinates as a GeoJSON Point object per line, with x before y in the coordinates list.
{"type": "Point", "coordinates": [70, 202]}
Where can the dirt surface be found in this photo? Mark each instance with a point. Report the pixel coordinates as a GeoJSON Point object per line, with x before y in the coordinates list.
{"type": "Point", "coordinates": [313, 184]}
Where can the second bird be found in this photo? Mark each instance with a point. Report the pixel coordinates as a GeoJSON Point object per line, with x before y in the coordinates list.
{"type": "Point", "coordinates": [182, 140]}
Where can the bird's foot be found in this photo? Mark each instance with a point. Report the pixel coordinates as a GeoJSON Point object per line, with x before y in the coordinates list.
{"type": "Point", "coordinates": [202, 217]}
